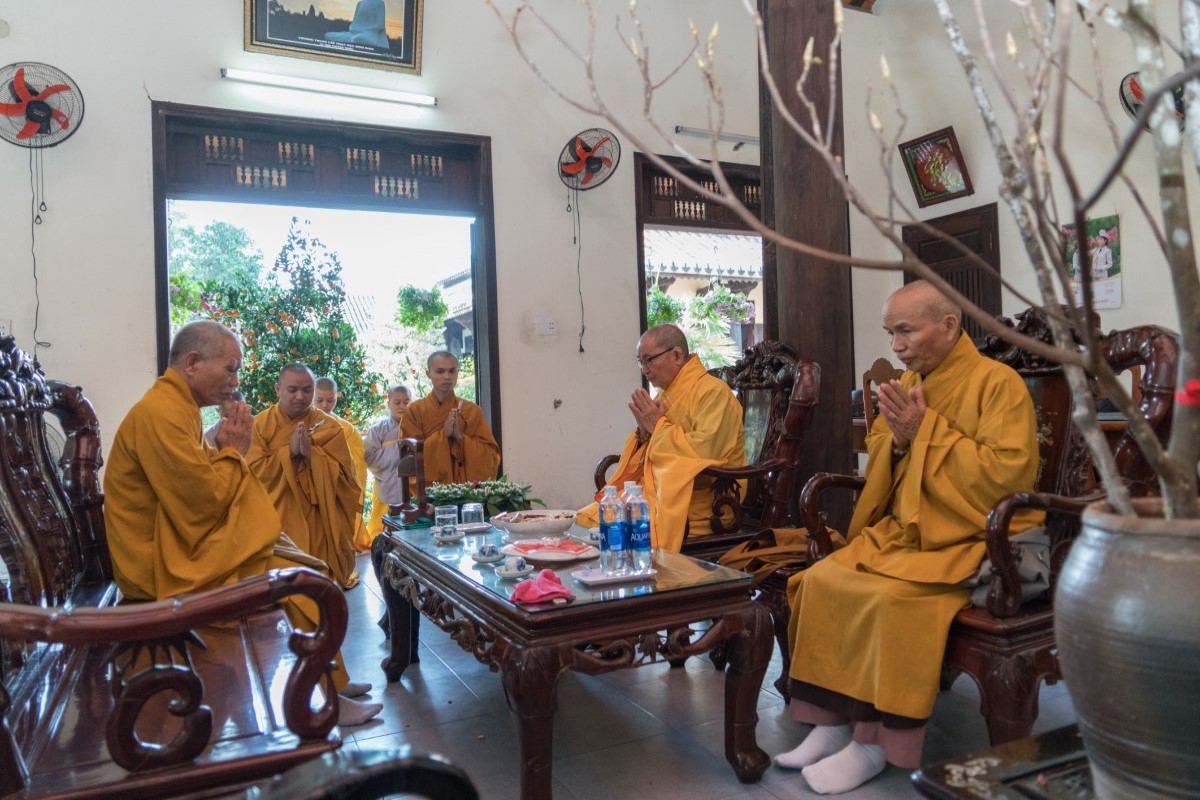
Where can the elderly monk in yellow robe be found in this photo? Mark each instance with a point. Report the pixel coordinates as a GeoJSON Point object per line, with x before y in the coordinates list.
{"type": "Point", "coordinates": [326, 399]}
{"type": "Point", "coordinates": [868, 630]}
{"type": "Point", "coordinates": [182, 516]}
{"type": "Point", "coordinates": [459, 445]}
{"type": "Point", "coordinates": [695, 422]}
{"type": "Point", "coordinates": [303, 459]}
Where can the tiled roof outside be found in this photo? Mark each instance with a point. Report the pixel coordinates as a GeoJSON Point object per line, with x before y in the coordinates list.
{"type": "Point", "coordinates": [702, 254]}
{"type": "Point", "coordinates": [360, 310]}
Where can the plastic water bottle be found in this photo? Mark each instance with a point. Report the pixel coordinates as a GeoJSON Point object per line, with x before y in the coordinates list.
{"type": "Point", "coordinates": [614, 537]}
{"type": "Point", "coordinates": [625, 491]}
{"type": "Point", "coordinates": [638, 513]}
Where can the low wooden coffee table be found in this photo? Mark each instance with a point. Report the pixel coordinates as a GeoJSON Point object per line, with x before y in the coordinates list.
{"type": "Point", "coordinates": [602, 629]}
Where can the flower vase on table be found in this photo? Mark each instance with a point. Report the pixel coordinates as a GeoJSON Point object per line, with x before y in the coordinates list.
{"type": "Point", "coordinates": [496, 496]}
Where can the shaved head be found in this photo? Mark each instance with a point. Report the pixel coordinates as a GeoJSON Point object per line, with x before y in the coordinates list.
{"type": "Point", "coordinates": [927, 300]}
{"type": "Point", "coordinates": [296, 366]}
{"type": "Point", "coordinates": [205, 337]}
{"type": "Point", "coordinates": [666, 337]}
{"type": "Point", "coordinates": [327, 383]}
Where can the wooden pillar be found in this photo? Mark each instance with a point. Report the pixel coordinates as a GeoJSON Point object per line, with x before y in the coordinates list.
{"type": "Point", "coordinates": [801, 200]}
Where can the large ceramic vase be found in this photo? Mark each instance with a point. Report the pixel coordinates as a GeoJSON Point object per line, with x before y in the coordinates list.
{"type": "Point", "coordinates": [1127, 622]}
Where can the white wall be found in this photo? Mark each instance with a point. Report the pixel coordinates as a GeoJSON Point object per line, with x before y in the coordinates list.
{"type": "Point", "coordinates": [934, 93]}
{"type": "Point", "coordinates": [95, 249]}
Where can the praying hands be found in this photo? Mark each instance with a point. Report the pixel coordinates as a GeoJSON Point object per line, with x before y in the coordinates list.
{"type": "Point", "coordinates": [904, 411]}
{"type": "Point", "coordinates": [646, 410]}
{"type": "Point", "coordinates": [236, 429]}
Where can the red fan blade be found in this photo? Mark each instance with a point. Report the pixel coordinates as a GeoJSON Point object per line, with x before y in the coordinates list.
{"type": "Point", "coordinates": [60, 118]}
{"type": "Point", "coordinates": [20, 87]}
{"type": "Point", "coordinates": [596, 146]}
{"type": "Point", "coordinates": [55, 89]}
{"type": "Point", "coordinates": [12, 109]}
{"type": "Point", "coordinates": [606, 161]}
{"type": "Point", "coordinates": [587, 179]}
{"type": "Point", "coordinates": [581, 150]}
{"type": "Point", "coordinates": [573, 168]}
{"type": "Point", "coordinates": [1136, 88]}
{"type": "Point", "coordinates": [29, 130]}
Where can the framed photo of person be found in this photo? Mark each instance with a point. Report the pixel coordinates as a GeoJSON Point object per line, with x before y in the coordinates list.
{"type": "Point", "coordinates": [385, 34]}
{"type": "Point", "coordinates": [935, 167]}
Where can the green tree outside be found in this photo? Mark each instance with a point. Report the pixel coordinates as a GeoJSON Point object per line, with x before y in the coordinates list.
{"type": "Point", "coordinates": [296, 313]}
{"type": "Point", "coordinates": [217, 252]}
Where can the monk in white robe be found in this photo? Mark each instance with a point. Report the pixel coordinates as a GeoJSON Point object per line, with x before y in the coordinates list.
{"type": "Point", "coordinates": [303, 459]}
{"type": "Point", "coordinates": [694, 423]}
{"type": "Point", "coordinates": [458, 442]}
{"type": "Point", "coordinates": [183, 517]}
{"type": "Point", "coordinates": [869, 623]}
{"type": "Point", "coordinates": [381, 445]}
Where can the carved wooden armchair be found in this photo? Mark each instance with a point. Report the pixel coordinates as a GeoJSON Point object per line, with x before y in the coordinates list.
{"type": "Point", "coordinates": [778, 393]}
{"type": "Point", "coordinates": [1007, 647]}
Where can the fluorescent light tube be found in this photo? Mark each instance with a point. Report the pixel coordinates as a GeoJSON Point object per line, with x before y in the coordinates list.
{"type": "Point", "coordinates": [328, 87]}
{"type": "Point", "coordinates": [704, 133]}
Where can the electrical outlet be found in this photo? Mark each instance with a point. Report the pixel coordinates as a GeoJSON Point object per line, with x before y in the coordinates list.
{"type": "Point", "coordinates": [545, 326]}
{"type": "Point", "coordinates": [5, 327]}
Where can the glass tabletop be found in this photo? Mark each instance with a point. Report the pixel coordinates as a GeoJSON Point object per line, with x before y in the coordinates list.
{"type": "Point", "coordinates": [672, 570]}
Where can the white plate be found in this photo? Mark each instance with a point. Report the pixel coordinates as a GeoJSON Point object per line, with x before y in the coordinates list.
{"type": "Point", "coordinates": [596, 577]}
{"type": "Point", "coordinates": [535, 524]}
{"type": "Point", "coordinates": [473, 527]}
{"type": "Point", "coordinates": [509, 575]}
{"type": "Point", "coordinates": [487, 559]}
{"type": "Point", "coordinates": [448, 539]}
{"type": "Point", "coordinates": [550, 555]}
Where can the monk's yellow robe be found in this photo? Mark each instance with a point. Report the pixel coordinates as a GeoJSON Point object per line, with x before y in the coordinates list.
{"type": "Point", "coordinates": [318, 498]}
{"type": "Point", "coordinates": [182, 517]}
{"type": "Point", "coordinates": [358, 455]}
{"type": "Point", "coordinates": [474, 457]}
{"type": "Point", "coordinates": [871, 620]}
{"type": "Point", "coordinates": [702, 427]}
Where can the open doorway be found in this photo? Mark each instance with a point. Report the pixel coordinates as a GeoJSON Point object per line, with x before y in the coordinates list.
{"type": "Point", "coordinates": [328, 288]}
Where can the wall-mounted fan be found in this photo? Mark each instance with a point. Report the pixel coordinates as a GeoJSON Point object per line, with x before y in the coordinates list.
{"type": "Point", "coordinates": [589, 159]}
{"type": "Point", "coordinates": [1133, 97]}
{"type": "Point", "coordinates": [40, 106]}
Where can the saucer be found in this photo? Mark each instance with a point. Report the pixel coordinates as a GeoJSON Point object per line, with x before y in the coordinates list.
{"type": "Point", "coordinates": [512, 574]}
{"type": "Point", "coordinates": [487, 559]}
{"type": "Point", "coordinates": [473, 527]}
{"type": "Point", "coordinates": [437, 537]}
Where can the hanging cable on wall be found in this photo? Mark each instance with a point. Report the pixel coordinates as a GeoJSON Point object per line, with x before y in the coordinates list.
{"type": "Point", "coordinates": [40, 107]}
{"type": "Point", "coordinates": [587, 160]}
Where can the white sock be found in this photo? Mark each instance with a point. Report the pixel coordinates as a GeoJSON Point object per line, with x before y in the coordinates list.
{"type": "Point", "coordinates": [822, 742]}
{"type": "Point", "coordinates": [354, 712]}
{"type": "Point", "coordinates": [847, 769]}
{"type": "Point", "coordinates": [353, 689]}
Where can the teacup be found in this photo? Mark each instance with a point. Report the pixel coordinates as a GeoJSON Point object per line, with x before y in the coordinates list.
{"type": "Point", "coordinates": [487, 551]}
{"type": "Point", "coordinates": [515, 564]}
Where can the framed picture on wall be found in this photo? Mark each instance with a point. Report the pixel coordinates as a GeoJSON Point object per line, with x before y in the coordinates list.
{"type": "Point", "coordinates": [385, 34]}
{"type": "Point", "coordinates": [935, 167]}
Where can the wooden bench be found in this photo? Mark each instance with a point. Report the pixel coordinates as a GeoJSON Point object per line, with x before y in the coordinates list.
{"type": "Point", "coordinates": [1007, 647]}
{"type": "Point", "coordinates": [202, 693]}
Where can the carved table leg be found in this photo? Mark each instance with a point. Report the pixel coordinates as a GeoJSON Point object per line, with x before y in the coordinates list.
{"type": "Point", "coordinates": [402, 618]}
{"type": "Point", "coordinates": [530, 677]}
{"type": "Point", "coordinates": [748, 653]}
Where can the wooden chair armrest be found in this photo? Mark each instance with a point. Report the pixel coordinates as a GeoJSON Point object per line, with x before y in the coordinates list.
{"type": "Point", "coordinates": [820, 543]}
{"type": "Point", "coordinates": [369, 774]}
{"type": "Point", "coordinates": [411, 465]}
{"type": "Point", "coordinates": [1004, 593]}
{"type": "Point", "coordinates": [601, 474]}
{"type": "Point", "coordinates": [164, 619]}
{"type": "Point", "coordinates": [748, 471]}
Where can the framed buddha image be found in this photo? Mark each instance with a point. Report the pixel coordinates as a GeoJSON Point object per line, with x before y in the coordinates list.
{"type": "Point", "coordinates": [935, 167]}
{"type": "Point", "coordinates": [368, 33]}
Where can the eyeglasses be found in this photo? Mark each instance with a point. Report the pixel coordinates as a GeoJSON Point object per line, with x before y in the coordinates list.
{"type": "Point", "coordinates": [645, 361]}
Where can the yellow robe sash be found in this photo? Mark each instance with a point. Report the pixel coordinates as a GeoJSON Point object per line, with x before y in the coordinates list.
{"type": "Point", "coordinates": [474, 457]}
{"type": "Point", "coordinates": [870, 621]}
{"type": "Point", "coordinates": [701, 428]}
{"type": "Point", "coordinates": [317, 499]}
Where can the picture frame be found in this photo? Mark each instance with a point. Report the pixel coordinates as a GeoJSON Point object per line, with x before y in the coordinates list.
{"type": "Point", "coordinates": [382, 34]}
{"type": "Point", "coordinates": [935, 167]}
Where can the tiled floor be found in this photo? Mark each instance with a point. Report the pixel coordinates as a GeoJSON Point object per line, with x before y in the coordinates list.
{"type": "Point", "coordinates": [649, 732]}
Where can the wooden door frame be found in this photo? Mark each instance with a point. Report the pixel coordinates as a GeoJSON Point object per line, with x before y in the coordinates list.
{"type": "Point", "coordinates": [478, 204]}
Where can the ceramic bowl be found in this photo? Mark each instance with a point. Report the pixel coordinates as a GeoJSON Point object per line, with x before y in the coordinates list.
{"type": "Point", "coordinates": [534, 524]}
{"type": "Point", "coordinates": [451, 539]}
{"type": "Point", "coordinates": [512, 574]}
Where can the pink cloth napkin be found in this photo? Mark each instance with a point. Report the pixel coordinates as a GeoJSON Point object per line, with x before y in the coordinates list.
{"type": "Point", "coordinates": [542, 588]}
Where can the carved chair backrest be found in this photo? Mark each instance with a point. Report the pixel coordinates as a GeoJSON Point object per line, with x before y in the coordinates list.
{"type": "Point", "coordinates": [880, 373]}
{"type": "Point", "coordinates": [778, 393]}
{"type": "Point", "coordinates": [51, 519]}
